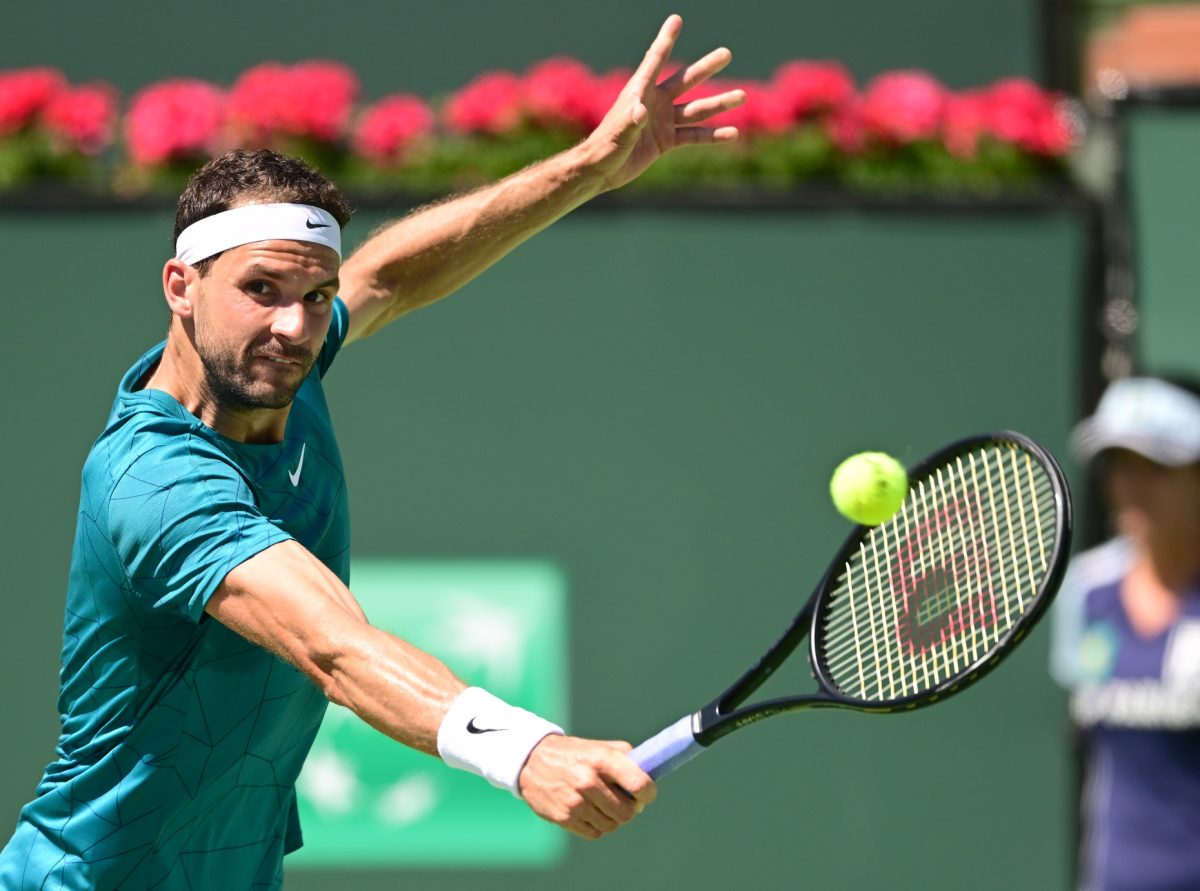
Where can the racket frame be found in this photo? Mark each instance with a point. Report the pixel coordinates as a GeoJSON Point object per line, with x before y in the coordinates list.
{"type": "Point", "coordinates": [727, 713]}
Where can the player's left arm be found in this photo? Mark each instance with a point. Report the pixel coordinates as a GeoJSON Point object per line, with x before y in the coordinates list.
{"type": "Point", "coordinates": [434, 251]}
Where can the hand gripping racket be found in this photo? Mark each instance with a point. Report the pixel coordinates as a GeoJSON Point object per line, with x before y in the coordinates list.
{"type": "Point", "coordinates": [920, 607]}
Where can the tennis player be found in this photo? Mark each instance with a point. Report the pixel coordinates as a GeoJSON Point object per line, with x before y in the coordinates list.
{"type": "Point", "coordinates": [1126, 642]}
{"type": "Point", "coordinates": [208, 618]}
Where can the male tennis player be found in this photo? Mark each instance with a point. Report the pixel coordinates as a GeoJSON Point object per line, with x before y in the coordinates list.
{"type": "Point", "coordinates": [208, 621]}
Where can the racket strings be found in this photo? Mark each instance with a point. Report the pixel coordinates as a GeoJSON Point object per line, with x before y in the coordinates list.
{"type": "Point", "coordinates": [955, 569]}
{"type": "Point", "coordinates": [950, 588]}
{"type": "Point", "coordinates": [935, 649]}
{"type": "Point", "coordinates": [936, 588]}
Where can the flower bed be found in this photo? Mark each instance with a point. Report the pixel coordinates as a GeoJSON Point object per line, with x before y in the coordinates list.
{"type": "Point", "coordinates": [902, 131]}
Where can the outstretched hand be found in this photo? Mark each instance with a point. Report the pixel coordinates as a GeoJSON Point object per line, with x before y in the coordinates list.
{"type": "Point", "coordinates": [645, 123]}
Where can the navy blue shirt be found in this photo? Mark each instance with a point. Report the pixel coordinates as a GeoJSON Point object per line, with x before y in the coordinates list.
{"type": "Point", "coordinates": [1137, 701]}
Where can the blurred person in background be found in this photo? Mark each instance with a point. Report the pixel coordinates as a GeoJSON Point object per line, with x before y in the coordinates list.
{"type": "Point", "coordinates": [1126, 642]}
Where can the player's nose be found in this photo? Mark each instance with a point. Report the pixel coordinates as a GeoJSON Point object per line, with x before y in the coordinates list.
{"type": "Point", "coordinates": [289, 320]}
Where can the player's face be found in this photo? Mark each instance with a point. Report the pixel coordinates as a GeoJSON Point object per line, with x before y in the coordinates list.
{"type": "Point", "coordinates": [263, 313]}
{"type": "Point", "coordinates": [1151, 499]}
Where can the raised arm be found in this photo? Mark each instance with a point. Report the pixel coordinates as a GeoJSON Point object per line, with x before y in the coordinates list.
{"type": "Point", "coordinates": [436, 250]}
{"type": "Point", "coordinates": [288, 602]}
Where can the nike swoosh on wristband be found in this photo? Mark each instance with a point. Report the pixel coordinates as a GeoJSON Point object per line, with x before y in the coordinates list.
{"type": "Point", "coordinates": [311, 225]}
{"type": "Point", "coordinates": [295, 477]}
{"type": "Point", "coordinates": [471, 728]}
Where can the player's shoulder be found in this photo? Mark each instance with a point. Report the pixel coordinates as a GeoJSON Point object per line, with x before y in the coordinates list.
{"type": "Point", "coordinates": [1100, 566]}
{"type": "Point", "coordinates": [151, 440]}
{"type": "Point", "coordinates": [142, 422]}
{"type": "Point", "coordinates": [1093, 573]}
{"type": "Point", "coordinates": [1089, 587]}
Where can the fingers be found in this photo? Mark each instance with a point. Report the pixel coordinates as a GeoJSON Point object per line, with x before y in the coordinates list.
{"type": "Point", "coordinates": [702, 109]}
{"type": "Point", "coordinates": [705, 135]}
{"type": "Point", "coordinates": [697, 73]}
{"type": "Point", "coordinates": [623, 792]}
{"type": "Point", "coordinates": [654, 101]}
{"type": "Point", "coordinates": [658, 53]}
{"type": "Point", "coordinates": [629, 783]}
{"type": "Point", "coordinates": [588, 787]}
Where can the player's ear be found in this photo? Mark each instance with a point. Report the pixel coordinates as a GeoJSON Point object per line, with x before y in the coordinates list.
{"type": "Point", "coordinates": [179, 283]}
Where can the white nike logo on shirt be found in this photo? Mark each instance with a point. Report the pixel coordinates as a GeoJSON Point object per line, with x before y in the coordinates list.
{"type": "Point", "coordinates": [295, 477]}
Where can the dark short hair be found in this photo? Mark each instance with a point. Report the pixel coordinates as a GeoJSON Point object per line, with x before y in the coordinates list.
{"type": "Point", "coordinates": [263, 177]}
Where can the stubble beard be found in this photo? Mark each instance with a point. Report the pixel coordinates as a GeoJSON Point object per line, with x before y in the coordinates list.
{"type": "Point", "coordinates": [232, 386]}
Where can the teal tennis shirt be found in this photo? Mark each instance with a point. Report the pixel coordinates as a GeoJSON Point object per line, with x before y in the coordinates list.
{"type": "Point", "coordinates": [181, 741]}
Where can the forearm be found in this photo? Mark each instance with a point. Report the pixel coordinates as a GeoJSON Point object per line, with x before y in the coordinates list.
{"type": "Point", "coordinates": [398, 689]}
{"type": "Point", "coordinates": [288, 602]}
{"type": "Point", "coordinates": [434, 251]}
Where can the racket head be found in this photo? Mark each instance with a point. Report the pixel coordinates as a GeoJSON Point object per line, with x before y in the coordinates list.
{"type": "Point", "coordinates": [923, 605]}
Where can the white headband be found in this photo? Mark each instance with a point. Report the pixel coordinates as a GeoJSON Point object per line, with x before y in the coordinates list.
{"type": "Point", "coordinates": [257, 222]}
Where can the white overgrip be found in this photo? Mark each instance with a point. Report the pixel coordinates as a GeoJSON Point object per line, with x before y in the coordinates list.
{"type": "Point", "coordinates": [668, 749]}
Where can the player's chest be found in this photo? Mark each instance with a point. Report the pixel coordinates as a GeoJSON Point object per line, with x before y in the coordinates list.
{"type": "Point", "coordinates": [1113, 650]}
{"type": "Point", "coordinates": [300, 486]}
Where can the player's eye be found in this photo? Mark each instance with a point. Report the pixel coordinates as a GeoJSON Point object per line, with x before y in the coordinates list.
{"type": "Point", "coordinates": [317, 297]}
{"type": "Point", "coordinates": [258, 287]}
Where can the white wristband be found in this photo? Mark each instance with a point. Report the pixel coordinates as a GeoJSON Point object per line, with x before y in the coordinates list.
{"type": "Point", "coordinates": [489, 737]}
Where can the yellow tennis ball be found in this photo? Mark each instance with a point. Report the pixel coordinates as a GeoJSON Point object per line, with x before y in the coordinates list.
{"type": "Point", "coordinates": [869, 487]}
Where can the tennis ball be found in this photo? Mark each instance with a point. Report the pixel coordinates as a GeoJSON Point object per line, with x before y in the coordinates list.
{"type": "Point", "coordinates": [869, 487]}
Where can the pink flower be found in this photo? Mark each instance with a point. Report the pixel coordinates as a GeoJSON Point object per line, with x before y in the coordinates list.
{"type": "Point", "coordinates": [557, 92]}
{"type": "Point", "coordinates": [387, 128]}
{"type": "Point", "coordinates": [845, 127]}
{"type": "Point", "coordinates": [174, 119]}
{"type": "Point", "coordinates": [769, 110]}
{"type": "Point", "coordinates": [964, 122]}
{"type": "Point", "coordinates": [24, 92]}
{"type": "Point", "coordinates": [326, 92]}
{"type": "Point", "coordinates": [82, 117]}
{"type": "Point", "coordinates": [491, 103]}
{"type": "Point", "coordinates": [903, 106]}
{"type": "Point", "coordinates": [811, 87]}
{"type": "Point", "coordinates": [1020, 112]}
{"type": "Point", "coordinates": [259, 101]}
{"type": "Point", "coordinates": [310, 100]}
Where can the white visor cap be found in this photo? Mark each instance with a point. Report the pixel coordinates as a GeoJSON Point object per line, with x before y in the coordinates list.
{"type": "Point", "coordinates": [1145, 415]}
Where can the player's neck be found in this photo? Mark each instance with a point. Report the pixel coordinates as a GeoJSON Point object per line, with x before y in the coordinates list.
{"type": "Point", "coordinates": [1150, 601]}
{"type": "Point", "coordinates": [1152, 594]}
{"type": "Point", "coordinates": [181, 375]}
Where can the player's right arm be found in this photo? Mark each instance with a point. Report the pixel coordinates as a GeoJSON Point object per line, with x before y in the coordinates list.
{"type": "Point", "coordinates": [434, 251]}
{"type": "Point", "coordinates": [288, 602]}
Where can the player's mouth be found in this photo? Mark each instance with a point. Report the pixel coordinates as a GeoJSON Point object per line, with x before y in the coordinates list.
{"type": "Point", "coordinates": [302, 360]}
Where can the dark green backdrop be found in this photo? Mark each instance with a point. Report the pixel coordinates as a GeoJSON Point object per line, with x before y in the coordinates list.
{"type": "Point", "coordinates": [429, 48]}
{"type": "Point", "coordinates": [1163, 192]}
{"type": "Point", "coordinates": [654, 400]}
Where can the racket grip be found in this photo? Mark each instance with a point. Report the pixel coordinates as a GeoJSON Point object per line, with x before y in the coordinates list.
{"type": "Point", "coordinates": [668, 749]}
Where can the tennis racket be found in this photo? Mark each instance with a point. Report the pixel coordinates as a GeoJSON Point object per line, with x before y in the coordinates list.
{"type": "Point", "coordinates": [917, 608]}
